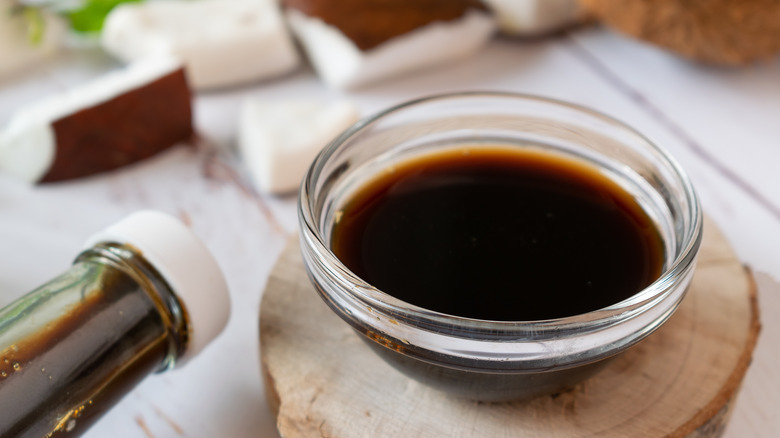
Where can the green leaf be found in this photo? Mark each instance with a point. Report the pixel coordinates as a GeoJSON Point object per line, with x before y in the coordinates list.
{"type": "Point", "coordinates": [89, 18]}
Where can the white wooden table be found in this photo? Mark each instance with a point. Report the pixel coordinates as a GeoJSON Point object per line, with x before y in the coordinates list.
{"type": "Point", "coordinates": [723, 125]}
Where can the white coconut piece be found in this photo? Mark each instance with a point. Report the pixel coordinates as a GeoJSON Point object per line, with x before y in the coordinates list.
{"type": "Point", "coordinates": [28, 143]}
{"type": "Point", "coordinates": [279, 140]}
{"type": "Point", "coordinates": [534, 17]}
{"type": "Point", "coordinates": [221, 42]}
{"type": "Point", "coordinates": [342, 64]}
{"type": "Point", "coordinates": [17, 52]}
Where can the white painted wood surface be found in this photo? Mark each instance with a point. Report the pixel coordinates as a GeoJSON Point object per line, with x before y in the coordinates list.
{"type": "Point", "coordinates": [723, 125]}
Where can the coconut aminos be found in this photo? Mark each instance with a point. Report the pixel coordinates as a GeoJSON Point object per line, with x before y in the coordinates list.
{"type": "Point", "coordinates": [499, 234]}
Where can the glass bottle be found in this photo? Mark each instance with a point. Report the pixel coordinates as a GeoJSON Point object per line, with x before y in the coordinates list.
{"type": "Point", "coordinates": [144, 296]}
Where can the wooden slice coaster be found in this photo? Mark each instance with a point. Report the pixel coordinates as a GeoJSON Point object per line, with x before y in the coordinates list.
{"type": "Point", "coordinates": [322, 381]}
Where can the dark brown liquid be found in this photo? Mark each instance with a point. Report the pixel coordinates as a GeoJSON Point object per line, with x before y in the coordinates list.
{"type": "Point", "coordinates": [62, 368]}
{"type": "Point", "coordinates": [499, 235]}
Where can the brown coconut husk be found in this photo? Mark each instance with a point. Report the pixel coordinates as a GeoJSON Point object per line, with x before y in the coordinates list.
{"type": "Point", "coordinates": [130, 127]}
{"type": "Point", "coordinates": [728, 32]}
{"type": "Point", "coordinates": [369, 23]}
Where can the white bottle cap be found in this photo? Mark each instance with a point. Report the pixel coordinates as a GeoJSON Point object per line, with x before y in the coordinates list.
{"type": "Point", "coordinates": [186, 265]}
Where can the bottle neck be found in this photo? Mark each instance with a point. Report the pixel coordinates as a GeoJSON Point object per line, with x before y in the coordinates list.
{"type": "Point", "coordinates": [173, 315]}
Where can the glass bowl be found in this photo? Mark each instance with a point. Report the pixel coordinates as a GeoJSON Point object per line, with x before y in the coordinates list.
{"type": "Point", "coordinates": [498, 360]}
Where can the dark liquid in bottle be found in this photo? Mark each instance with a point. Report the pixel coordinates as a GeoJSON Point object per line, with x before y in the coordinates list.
{"type": "Point", "coordinates": [499, 234]}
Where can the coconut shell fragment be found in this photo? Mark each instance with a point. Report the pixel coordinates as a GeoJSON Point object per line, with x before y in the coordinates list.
{"type": "Point", "coordinates": [727, 32]}
{"type": "Point", "coordinates": [369, 23]}
{"type": "Point", "coordinates": [129, 128]}
{"type": "Point", "coordinates": [278, 140]}
{"type": "Point", "coordinates": [117, 119]}
{"type": "Point", "coordinates": [221, 42]}
{"type": "Point", "coordinates": [353, 42]}
{"type": "Point", "coordinates": [528, 18]}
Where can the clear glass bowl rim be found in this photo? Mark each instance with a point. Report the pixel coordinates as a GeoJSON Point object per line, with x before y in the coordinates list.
{"type": "Point", "coordinates": [405, 312]}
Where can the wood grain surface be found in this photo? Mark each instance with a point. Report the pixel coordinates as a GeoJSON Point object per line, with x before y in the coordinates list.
{"type": "Point", "coordinates": [321, 380]}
